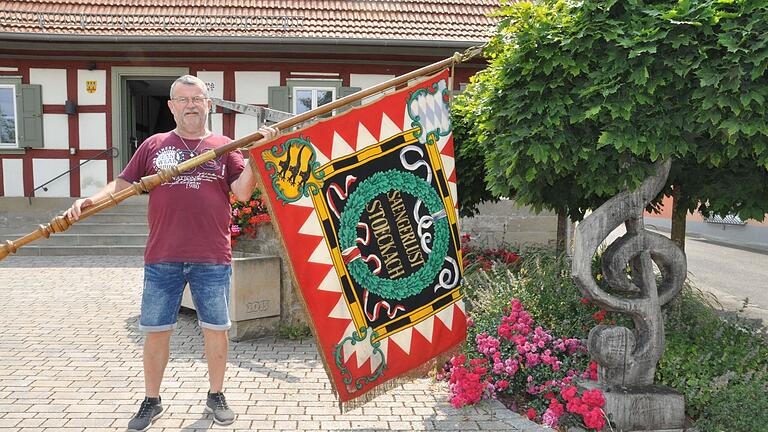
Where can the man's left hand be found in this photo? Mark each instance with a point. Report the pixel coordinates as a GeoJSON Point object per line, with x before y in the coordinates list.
{"type": "Point", "coordinates": [270, 133]}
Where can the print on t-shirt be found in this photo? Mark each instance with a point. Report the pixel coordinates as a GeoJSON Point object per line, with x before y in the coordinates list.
{"type": "Point", "coordinates": [171, 156]}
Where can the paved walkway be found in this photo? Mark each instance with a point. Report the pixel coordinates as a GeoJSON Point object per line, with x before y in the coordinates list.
{"type": "Point", "coordinates": [70, 360]}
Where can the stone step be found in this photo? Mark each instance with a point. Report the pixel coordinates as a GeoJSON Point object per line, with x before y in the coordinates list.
{"type": "Point", "coordinates": [118, 217]}
{"type": "Point", "coordinates": [120, 230]}
{"type": "Point", "coordinates": [37, 250]}
{"type": "Point", "coordinates": [65, 239]}
{"type": "Point", "coordinates": [20, 216]}
{"type": "Point", "coordinates": [90, 226]}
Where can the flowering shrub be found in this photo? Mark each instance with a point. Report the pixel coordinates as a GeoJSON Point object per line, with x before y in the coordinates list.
{"type": "Point", "coordinates": [522, 362]}
{"type": "Point", "coordinates": [247, 216]}
{"type": "Point", "coordinates": [720, 365]}
{"type": "Point", "coordinates": [475, 258]}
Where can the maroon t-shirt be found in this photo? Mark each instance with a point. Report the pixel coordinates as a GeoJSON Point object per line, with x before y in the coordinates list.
{"type": "Point", "coordinates": [188, 216]}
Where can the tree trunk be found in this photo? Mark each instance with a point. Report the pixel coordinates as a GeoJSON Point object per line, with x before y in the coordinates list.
{"type": "Point", "coordinates": [562, 233]}
{"type": "Point", "coordinates": [678, 217]}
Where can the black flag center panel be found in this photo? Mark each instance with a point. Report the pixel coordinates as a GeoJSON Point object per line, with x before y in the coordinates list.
{"type": "Point", "coordinates": [365, 203]}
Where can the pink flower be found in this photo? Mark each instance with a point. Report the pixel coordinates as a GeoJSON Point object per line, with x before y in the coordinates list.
{"type": "Point", "coordinates": [550, 419]}
{"type": "Point", "coordinates": [532, 359]}
{"type": "Point", "coordinates": [487, 345]}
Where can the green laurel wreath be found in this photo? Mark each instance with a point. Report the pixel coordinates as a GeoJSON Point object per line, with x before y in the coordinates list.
{"type": "Point", "coordinates": [383, 182]}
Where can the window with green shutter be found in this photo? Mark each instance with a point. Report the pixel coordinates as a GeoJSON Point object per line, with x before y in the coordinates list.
{"type": "Point", "coordinates": [8, 117]}
{"type": "Point", "coordinates": [21, 114]}
{"type": "Point", "coordinates": [301, 95]}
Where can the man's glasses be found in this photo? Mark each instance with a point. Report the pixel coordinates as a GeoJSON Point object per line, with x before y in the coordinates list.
{"type": "Point", "coordinates": [197, 100]}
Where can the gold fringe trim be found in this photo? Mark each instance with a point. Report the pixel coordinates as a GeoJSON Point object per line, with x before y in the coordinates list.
{"type": "Point", "coordinates": [294, 281]}
{"type": "Point", "coordinates": [407, 377]}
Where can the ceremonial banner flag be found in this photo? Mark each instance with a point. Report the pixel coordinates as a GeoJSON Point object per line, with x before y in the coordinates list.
{"type": "Point", "coordinates": [365, 204]}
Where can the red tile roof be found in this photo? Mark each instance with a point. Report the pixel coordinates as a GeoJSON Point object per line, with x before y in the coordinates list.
{"type": "Point", "coordinates": [423, 20]}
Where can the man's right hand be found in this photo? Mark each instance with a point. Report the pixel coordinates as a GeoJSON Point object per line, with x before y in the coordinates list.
{"type": "Point", "coordinates": [74, 212]}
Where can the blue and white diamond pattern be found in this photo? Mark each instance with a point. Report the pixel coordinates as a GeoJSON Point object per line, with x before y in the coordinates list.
{"type": "Point", "coordinates": [432, 112]}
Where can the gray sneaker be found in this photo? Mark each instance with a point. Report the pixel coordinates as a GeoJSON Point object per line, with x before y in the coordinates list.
{"type": "Point", "coordinates": [217, 405]}
{"type": "Point", "coordinates": [149, 411]}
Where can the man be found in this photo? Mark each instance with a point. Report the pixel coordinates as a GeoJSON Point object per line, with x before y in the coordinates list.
{"type": "Point", "coordinates": [188, 242]}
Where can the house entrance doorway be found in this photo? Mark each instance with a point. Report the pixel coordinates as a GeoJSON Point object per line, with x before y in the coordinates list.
{"type": "Point", "coordinates": [139, 107]}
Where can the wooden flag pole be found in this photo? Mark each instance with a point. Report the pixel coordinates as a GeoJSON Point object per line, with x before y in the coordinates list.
{"type": "Point", "coordinates": [62, 223]}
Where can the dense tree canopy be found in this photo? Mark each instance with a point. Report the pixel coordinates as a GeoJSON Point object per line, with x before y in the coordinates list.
{"type": "Point", "coordinates": [581, 96]}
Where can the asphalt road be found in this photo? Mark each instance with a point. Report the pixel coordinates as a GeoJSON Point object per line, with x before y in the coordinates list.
{"type": "Point", "coordinates": [734, 275]}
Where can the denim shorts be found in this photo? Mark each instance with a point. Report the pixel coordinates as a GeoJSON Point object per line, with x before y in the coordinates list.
{"type": "Point", "coordinates": [164, 285]}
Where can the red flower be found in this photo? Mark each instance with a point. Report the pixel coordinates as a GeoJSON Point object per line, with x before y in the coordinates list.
{"type": "Point", "coordinates": [556, 407]}
{"type": "Point", "coordinates": [568, 393]}
{"type": "Point", "coordinates": [591, 372]}
{"type": "Point", "coordinates": [593, 397]}
{"type": "Point", "coordinates": [599, 315]}
{"type": "Point", "coordinates": [584, 300]}
{"type": "Point", "coordinates": [577, 406]}
{"type": "Point", "coordinates": [593, 419]}
{"type": "Point", "coordinates": [247, 210]}
{"type": "Point", "coordinates": [531, 414]}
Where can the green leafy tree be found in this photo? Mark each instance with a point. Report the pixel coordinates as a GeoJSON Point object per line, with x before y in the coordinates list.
{"type": "Point", "coordinates": [581, 97]}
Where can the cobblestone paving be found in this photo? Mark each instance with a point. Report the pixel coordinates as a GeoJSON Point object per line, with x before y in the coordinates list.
{"type": "Point", "coordinates": [70, 360]}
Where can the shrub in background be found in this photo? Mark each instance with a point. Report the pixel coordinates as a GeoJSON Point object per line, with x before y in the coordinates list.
{"type": "Point", "coordinates": [719, 364]}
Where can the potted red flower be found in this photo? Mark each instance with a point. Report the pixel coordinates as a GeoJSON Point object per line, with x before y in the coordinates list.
{"type": "Point", "coordinates": [247, 216]}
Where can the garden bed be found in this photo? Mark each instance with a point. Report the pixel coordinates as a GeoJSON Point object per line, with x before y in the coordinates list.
{"type": "Point", "coordinates": [520, 301]}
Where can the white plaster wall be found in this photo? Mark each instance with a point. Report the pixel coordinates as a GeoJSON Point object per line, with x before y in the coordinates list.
{"type": "Point", "coordinates": [365, 81]}
{"type": "Point", "coordinates": [252, 87]}
{"type": "Point", "coordinates": [217, 124]}
{"type": "Point", "coordinates": [93, 177]}
{"type": "Point", "coordinates": [245, 125]}
{"type": "Point", "coordinates": [13, 177]}
{"type": "Point", "coordinates": [92, 132]}
{"type": "Point", "coordinates": [214, 81]}
{"type": "Point", "coordinates": [54, 82]}
{"type": "Point", "coordinates": [99, 97]}
{"type": "Point", "coordinates": [46, 169]}
{"type": "Point", "coordinates": [55, 131]}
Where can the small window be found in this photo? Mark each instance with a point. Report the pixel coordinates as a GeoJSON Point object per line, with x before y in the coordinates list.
{"type": "Point", "coordinates": [8, 117]}
{"type": "Point", "coordinates": [308, 98]}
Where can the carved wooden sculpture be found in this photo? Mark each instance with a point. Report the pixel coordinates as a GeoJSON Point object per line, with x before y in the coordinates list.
{"type": "Point", "coordinates": [627, 358]}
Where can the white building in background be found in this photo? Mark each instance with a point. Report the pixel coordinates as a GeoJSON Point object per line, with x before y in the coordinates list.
{"type": "Point", "coordinates": [86, 82]}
